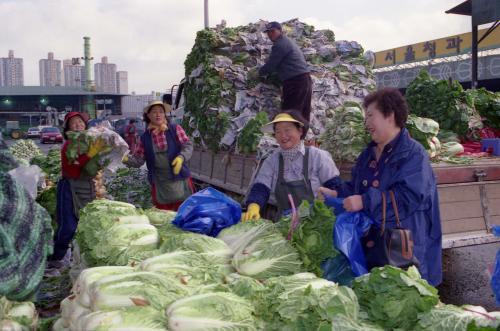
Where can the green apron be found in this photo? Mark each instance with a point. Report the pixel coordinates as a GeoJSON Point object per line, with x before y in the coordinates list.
{"type": "Point", "coordinates": [299, 189]}
{"type": "Point", "coordinates": [167, 190]}
{"type": "Point", "coordinates": [82, 191]}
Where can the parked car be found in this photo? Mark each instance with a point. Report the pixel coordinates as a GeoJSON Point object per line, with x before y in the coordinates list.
{"type": "Point", "coordinates": [33, 132]}
{"type": "Point", "coordinates": [122, 123]}
{"type": "Point", "coordinates": [51, 135]}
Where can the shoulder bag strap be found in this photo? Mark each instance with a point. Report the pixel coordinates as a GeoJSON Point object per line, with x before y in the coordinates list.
{"type": "Point", "coordinates": [384, 213]}
{"type": "Point", "coordinates": [395, 207]}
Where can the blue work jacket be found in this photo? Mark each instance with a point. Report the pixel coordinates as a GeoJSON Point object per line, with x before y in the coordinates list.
{"type": "Point", "coordinates": [404, 167]}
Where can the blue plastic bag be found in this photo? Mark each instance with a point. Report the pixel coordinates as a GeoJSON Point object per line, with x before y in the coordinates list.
{"type": "Point", "coordinates": [208, 212]}
{"type": "Point", "coordinates": [347, 234]}
{"type": "Point", "coordinates": [349, 229]}
{"type": "Point", "coordinates": [336, 203]}
{"type": "Point", "coordinates": [495, 279]}
{"type": "Point", "coordinates": [338, 269]}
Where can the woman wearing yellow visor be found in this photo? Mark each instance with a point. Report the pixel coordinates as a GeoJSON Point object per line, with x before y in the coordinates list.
{"type": "Point", "coordinates": [292, 170]}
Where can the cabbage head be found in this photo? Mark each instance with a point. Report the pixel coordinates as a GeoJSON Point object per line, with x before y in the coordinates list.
{"type": "Point", "coordinates": [235, 235]}
{"type": "Point", "coordinates": [453, 318]}
{"type": "Point", "coordinates": [96, 218]}
{"type": "Point", "coordinates": [212, 249]}
{"type": "Point", "coordinates": [135, 289]}
{"type": "Point", "coordinates": [305, 302]}
{"type": "Point", "coordinates": [123, 243]}
{"type": "Point", "coordinates": [81, 287]}
{"type": "Point", "coordinates": [266, 253]}
{"type": "Point", "coordinates": [158, 217]}
{"type": "Point", "coordinates": [393, 298]}
{"type": "Point", "coordinates": [188, 267]}
{"type": "Point", "coordinates": [211, 311]}
{"type": "Point", "coordinates": [133, 318]}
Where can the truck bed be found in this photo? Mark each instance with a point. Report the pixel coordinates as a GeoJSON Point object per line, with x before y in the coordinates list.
{"type": "Point", "coordinates": [469, 194]}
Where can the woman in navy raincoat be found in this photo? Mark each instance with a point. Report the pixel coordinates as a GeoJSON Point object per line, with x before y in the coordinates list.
{"type": "Point", "coordinates": [394, 161]}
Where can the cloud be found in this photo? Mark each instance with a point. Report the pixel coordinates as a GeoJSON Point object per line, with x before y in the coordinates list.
{"type": "Point", "coordinates": [151, 38]}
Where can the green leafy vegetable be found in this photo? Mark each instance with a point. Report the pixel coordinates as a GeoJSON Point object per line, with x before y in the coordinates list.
{"type": "Point", "coordinates": [50, 164]}
{"type": "Point", "coordinates": [313, 238]}
{"type": "Point", "coordinates": [48, 200]}
{"type": "Point", "coordinates": [130, 185]}
{"type": "Point", "coordinates": [393, 298]}
{"type": "Point", "coordinates": [249, 137]}
{"type": "Point", "coordinates": [488, 105]}
{"type": "Point", "coordinates": [444, 101]}
{"type": "Point", "coordinates": [305, 302]}
{"type": "Point", "coordinates": [24, 150]}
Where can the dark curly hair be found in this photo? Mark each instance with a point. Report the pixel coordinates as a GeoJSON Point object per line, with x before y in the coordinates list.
{"type": "Point", "coordinates": [389, 100]}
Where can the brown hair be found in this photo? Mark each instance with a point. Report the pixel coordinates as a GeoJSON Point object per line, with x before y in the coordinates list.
{"type": "Point", "coordinates": [389, 101]}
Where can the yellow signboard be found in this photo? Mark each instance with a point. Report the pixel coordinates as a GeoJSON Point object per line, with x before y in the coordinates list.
{"type": "Point", "coordinates": [443, 47]}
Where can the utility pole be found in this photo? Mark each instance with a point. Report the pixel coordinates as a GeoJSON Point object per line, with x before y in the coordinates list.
{"type": "Point", "coordinates": [206, 14]}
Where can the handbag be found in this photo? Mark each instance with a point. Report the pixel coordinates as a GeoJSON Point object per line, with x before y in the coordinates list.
{"type": "Point", "coordinates": [389, 246]}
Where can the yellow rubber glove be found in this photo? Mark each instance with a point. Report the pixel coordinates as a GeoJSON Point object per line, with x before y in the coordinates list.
{"type": "Point", "coordinates": [177, 164]}
{"type": "Point", "coordinates": [95, 148]}
{"type": "Point", "coordinates": [253, 213]}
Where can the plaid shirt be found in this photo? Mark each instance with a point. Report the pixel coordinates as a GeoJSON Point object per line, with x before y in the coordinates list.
{"type": "Point", "coordinates": [160, 141]}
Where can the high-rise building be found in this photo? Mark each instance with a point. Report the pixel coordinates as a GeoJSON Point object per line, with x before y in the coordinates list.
{"type": "Point", "coordinates": [122, 82]}
{"type": "Point", "coordinates": [11, 71]}
{"type": "Point", "coordinates": [74, 73]}
{"type": "Point", "coordinates": [50, 71]}
{"type": "Point", "coordinates": [105, 76]}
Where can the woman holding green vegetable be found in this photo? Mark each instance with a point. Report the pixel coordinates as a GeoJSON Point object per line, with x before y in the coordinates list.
{"type": "Point", "coordinates": [74, 190]}
{"type": "Point", "coordinates": [293, 171]}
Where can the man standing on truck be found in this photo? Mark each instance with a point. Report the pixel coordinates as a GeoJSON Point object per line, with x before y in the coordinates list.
{"type": "Point", "coordinates": [288, 61]}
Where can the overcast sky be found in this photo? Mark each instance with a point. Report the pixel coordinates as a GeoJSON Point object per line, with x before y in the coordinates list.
{"type": "Point", "coordinates": [151, 38]}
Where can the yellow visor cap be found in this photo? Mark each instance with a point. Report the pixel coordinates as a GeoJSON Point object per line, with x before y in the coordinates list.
{"type": "Point", "coordinates": [281, 117]}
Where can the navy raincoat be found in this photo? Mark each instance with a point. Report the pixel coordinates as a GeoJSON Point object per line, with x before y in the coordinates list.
{"type": "Point", "coordinates": [404, 168]}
